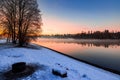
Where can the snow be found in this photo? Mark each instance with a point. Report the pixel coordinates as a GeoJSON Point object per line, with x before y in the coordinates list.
{"type": "Point", "coordinates": [49, 60]}
{"type": "Point", "coordinates": [2, 41]}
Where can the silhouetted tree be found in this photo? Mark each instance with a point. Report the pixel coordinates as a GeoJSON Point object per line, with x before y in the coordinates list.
{"type": "Point", "coordinates": [21, 19]}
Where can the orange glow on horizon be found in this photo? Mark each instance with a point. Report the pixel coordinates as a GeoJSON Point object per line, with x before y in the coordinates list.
{"type": "Point", "coordinates": [52, 25]}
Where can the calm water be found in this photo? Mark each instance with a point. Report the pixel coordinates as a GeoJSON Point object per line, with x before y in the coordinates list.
{"type": "Point", "coordinates": [105, 53]}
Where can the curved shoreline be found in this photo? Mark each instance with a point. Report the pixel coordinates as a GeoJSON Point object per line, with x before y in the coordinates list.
{"type": "Point", "coordinates": [107, 69]}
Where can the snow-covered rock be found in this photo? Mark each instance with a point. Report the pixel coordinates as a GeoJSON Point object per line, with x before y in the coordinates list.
{"type": "Point", "coordinates": [59, 71]}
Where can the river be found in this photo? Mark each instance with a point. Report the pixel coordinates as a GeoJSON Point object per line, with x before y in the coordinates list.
{"type": "Point", "coordinates": [104, 53]}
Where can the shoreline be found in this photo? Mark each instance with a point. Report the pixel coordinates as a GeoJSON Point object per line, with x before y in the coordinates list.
{"type": "Point", "coordinates": [45, 60]}
{"type": "Point", "coordinates": [107, 69]}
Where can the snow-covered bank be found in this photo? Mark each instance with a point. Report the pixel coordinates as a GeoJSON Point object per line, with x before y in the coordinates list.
{"type": "Point", "coordinates": [49, 59]}
{"type": "Point", "coordinates": [2, 40]}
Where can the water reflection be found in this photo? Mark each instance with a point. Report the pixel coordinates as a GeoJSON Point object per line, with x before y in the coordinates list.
{"type": "Point", "coordinates": [100, 44]}
{"type": "Point", "coordinates": [105, 53]}
{"type": "Point", "coordinates": [82, 42]}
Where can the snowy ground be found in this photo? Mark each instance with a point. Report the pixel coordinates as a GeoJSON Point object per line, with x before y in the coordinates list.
{"type": "Point", "coordinates": [50, 60]}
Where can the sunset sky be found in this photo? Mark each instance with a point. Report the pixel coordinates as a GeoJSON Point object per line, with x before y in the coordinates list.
{"type": "Point", "coordinates": [74, 16]}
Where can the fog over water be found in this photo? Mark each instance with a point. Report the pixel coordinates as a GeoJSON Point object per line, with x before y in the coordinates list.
{"type": "Point", "coordinates": [105, 53]}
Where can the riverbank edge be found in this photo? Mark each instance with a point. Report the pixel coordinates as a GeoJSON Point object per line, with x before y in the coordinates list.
{"type": "Point", "coordinates": [107, 69]}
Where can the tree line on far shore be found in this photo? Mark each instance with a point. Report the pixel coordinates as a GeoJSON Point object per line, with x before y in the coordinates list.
{"type": "Point", "coordinates": [90, 35]}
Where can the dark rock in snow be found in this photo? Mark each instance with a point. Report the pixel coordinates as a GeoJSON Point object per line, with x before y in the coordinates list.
{"type": "Point", "coordinates": [19, 70]}
{"type": "Point", "coordinates": [84, 75]}
{"type": "Point", "coordinates": [18, 67]}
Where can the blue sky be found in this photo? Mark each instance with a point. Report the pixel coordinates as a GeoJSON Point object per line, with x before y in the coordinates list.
{"type": "Point", "coordinates": [88, 14]}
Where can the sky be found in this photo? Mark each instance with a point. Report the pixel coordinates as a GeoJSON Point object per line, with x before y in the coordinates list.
{"type": "Point", "coordinates": [75, 16]}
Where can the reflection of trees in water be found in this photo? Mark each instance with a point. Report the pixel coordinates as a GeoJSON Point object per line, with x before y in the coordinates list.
{"type": "Point", "coordinates": [106, 45]}
{"type": "Point", "coordinates": [83, 42]}
{"type": "Point", "coordinates": [90, 43]}
{"type": "Point", "coordinates": [97, 44]}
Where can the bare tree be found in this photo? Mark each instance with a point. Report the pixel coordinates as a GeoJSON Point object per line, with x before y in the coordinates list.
{"type": "Point", "coordinates": [21, 19]}
{"type": "Point", "coordinates": [8, 13]}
